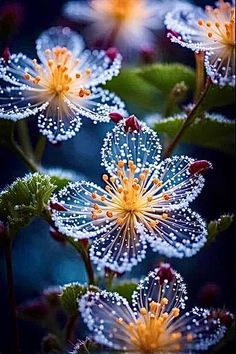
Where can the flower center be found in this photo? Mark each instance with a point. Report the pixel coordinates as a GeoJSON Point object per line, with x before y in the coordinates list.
{"type": "Point", "coordinates": [120, 10]}
{"type": "Point", "coordinates": [130, 197]}
{"type": "Point", "coordinates": [58, 75]}
{"type": "Point", "coordinates": [220, 26]}
{"type": "Point", "coordinates": [150, 332]}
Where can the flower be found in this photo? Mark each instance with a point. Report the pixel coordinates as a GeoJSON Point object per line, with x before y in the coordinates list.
{"type": "Point", "coordinates": [62, 89]}
{"type": "Point", "coordinates": [211, 31]}
{"type": "Point", "coordinates": [154, 323]}
{"type": "Point", "coordinates": [144, 201]}
{"type": "Point", "coordinates": [127, 24]}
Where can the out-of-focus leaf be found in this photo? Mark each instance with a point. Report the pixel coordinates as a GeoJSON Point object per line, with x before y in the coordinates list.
{"type": "Point", "coordinates": [125, 289]}
{"type": "Point", "coordinates": [211, 131]}
{"type": "Point", "coordinates": [70, 295]}
{"type": "Point", "coordinates": [217, 226]}
{"type": "Point", "coordinates": [218, 96]}
{"type": "Point", "coordinates": [135, 91]}
{"type": "Point", "coordinates": [164, 77]}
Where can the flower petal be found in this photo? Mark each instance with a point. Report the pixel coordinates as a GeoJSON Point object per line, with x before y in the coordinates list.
{"type": "Point", "coordinates": [153, 288]}
{"type": "Point", "coordinates": [59, 37]}
{"type": "Point", "coordinates": [220, 66]}
{"type": "Point", "coordinates": [101, 312]}
{"type": "Point", "coordinates": [198, 329]}
{"type": "Point", "coordinates": [60, 121]}
{"type": "Point", "coordinates": [98, 105]}
{"type": "Point", "coordinates": [178, 183]}
{"type": "Point", "coordinates": [102, 67]}
{"type": "Point", "coordinates": [76, 220]}
{"type": "Point", "coordinates": [119, 248]}
{"type": "Point", "coordinates": [79, 11]}
{"type": "Point", "coordinates": [181, 233]}
{"type": "Point", "coordinates": [142, 148]}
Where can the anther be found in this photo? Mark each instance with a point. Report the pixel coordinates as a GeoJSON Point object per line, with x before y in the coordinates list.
{"type": "Point", "coordinates": [109, 214]}
{"type": "Point", "coordinates": [143, 311]}
{"type": "Point", "coordinates": [120, 164]}
{"type": "Point", "coordinates": [105, 177]}
{"type": "Point", "coordinates": [94, 195]}
{"type": "Point", "coordinates": [175, 312]}
{"type": "Point", "coordinates": [166, 196]}
{"type": "Point", "coordinates": [149, 198]}
{"type": "Point", "coordinates": [165, 216]}
{"type": "Point", "coordinates": [209, 34]}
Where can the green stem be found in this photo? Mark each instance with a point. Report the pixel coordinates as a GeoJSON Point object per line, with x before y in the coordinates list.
{"type": "Point", "coordinates": [11, 296]}
{"type": "Point", "coordinates": [188, 121]}
{"type": "Point", "coordinates": [27, 160]}
{"type": "Point", "coordinates": [40, 147]}
{"type": "Point", "coordinates": [88, 265]}
{"type": "Point", "coordinates": [200, 74]}
{"type": "Point", "coordinates": [24, 138]}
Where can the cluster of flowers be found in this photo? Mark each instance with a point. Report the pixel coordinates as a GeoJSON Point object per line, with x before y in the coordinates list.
{"type": "Point", "coordinates": [144, 201]}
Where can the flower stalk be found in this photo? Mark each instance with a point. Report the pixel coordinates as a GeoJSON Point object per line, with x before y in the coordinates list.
{"type": "Point", "coordinates": [189, 120]}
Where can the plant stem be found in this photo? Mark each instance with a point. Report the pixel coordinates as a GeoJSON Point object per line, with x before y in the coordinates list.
{"type": "Point", "coordinates": [200, 74]}
{"type": "Point", "coordinates": [88, 265]}
{"type": "Point", "coordinates": [70, 329]}
{"type": "Point", "coordinates": [27, 160]}
{"type": "Point", "coordinates": [40, 147]}
{"type": "Point", "coordinates": [24, 138]}
{"type": "Point", "coordinates": [11, 295]}
{"type": "Point", "coordinates": [188, 121]}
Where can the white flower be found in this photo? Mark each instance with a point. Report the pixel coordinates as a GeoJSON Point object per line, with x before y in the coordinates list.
{"type": "Point", "coordinates": [61, 89]}
{"type": "Point", "coordinates": [211, 31]}
{"type": "Point", "coordinates": [144, 201]}
{"type": "Point", "coordinates": [154, 323]}
{"type": "Point", "coordinates": [127, 24]}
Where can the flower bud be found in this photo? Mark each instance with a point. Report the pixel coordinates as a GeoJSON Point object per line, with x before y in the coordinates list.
{"type": "Point", "coordinates": [57, 206]}
{"type": "Point", "coordinates": [112, 53]}
{"type": "Point", "coordinates": [165, 272]}
{"type": "Point", "coordinates": [132, 124]}
{"type": "Point", "coordinates": [199, 167]}
{"type": "Point", "coordinates": [116, 117]}
{"type": "Point", "coordinates": [6, 54]}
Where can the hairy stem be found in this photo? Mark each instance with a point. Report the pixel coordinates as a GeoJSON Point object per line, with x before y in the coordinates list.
{"type": "Point", "coordinates": [188, 121]}
{"type": "Point", "coordinates": [11, 296]}
{"type": "Point", "coordinates": [88, 265]}
{"type": "Point", "coordinates": [200, 74]}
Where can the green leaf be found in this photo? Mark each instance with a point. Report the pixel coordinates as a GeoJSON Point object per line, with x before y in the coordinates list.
{"type": "Point", "coordinates": [125, 289]}
{"type": "Point", "coordinates": [164, 77]}
{"type": "Point", "coordinates": [25, 199]}
{"type": "Point", "coordinates": [6, 131]}
{"type": "Point", "coordinates": [137, 93]}
{"type": "Point", "coordinates": [70, 295]}
{"type": "Point", "coordinates": [211, 131]}
{"type": "Point", "coordinates": [218, 96]}
{"type": "Point", "coordinates": [215, 227]}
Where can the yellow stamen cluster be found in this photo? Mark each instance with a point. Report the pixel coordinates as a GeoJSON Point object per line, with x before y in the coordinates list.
{"type": "Point", "coordinates": [220, 26]}
{"type": "Point", "coordinates": [150, 332]}
{"type": "Point", "coordinates": [121, 10]}
{"type": "Point", "coordinates": [58, 74]}
{"type": "Point", "coordinates": [132, 197]}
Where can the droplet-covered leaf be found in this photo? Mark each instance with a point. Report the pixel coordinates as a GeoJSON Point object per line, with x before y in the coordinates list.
{"type": "Point", "coordinates": [25, 199]}
{"type": "Point", "coordinates": [211, 131]}
{"type": "Point", "coordinates": [220, 225]}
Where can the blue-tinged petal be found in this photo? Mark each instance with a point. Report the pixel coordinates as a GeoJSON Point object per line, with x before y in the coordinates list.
{"type": "Point", "coordinates": [142, 148]}
{"type": "Point", "coordinates": [59, 37]}
{"type": "Point", "coordinates": [107, 316]}
{"type": "Point", "coordinates": [119, 248]}
{"type": "Point", "coordinates": [177, 183]}
{"type": "Point", "coordinates": [76, 220]}
{"type": "Point", "coordinates": [178, 233]}
{"type": "Point", "coordinates": [199, 330]}
{"type": "Point", "coordinates": [154, 288]}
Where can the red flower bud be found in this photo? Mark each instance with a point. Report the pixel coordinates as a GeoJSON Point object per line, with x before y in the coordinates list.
{"type": "Point", "coordinates": [116, 117]}
{"type": "Point", "coordinates": [199, 167]}
{"type": "Point", "coordinates": [165, 272]}
{"type": "Point", "coordinates": [112, 53]}
{"type": "Point", "coordinates": [57, 206]}
{"type": "Point", "coordinates": [6, 54]}
{"type": "Point", "coordinates": [132, 124]}
{"type": "Point", "coordinates": [57, 236]}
